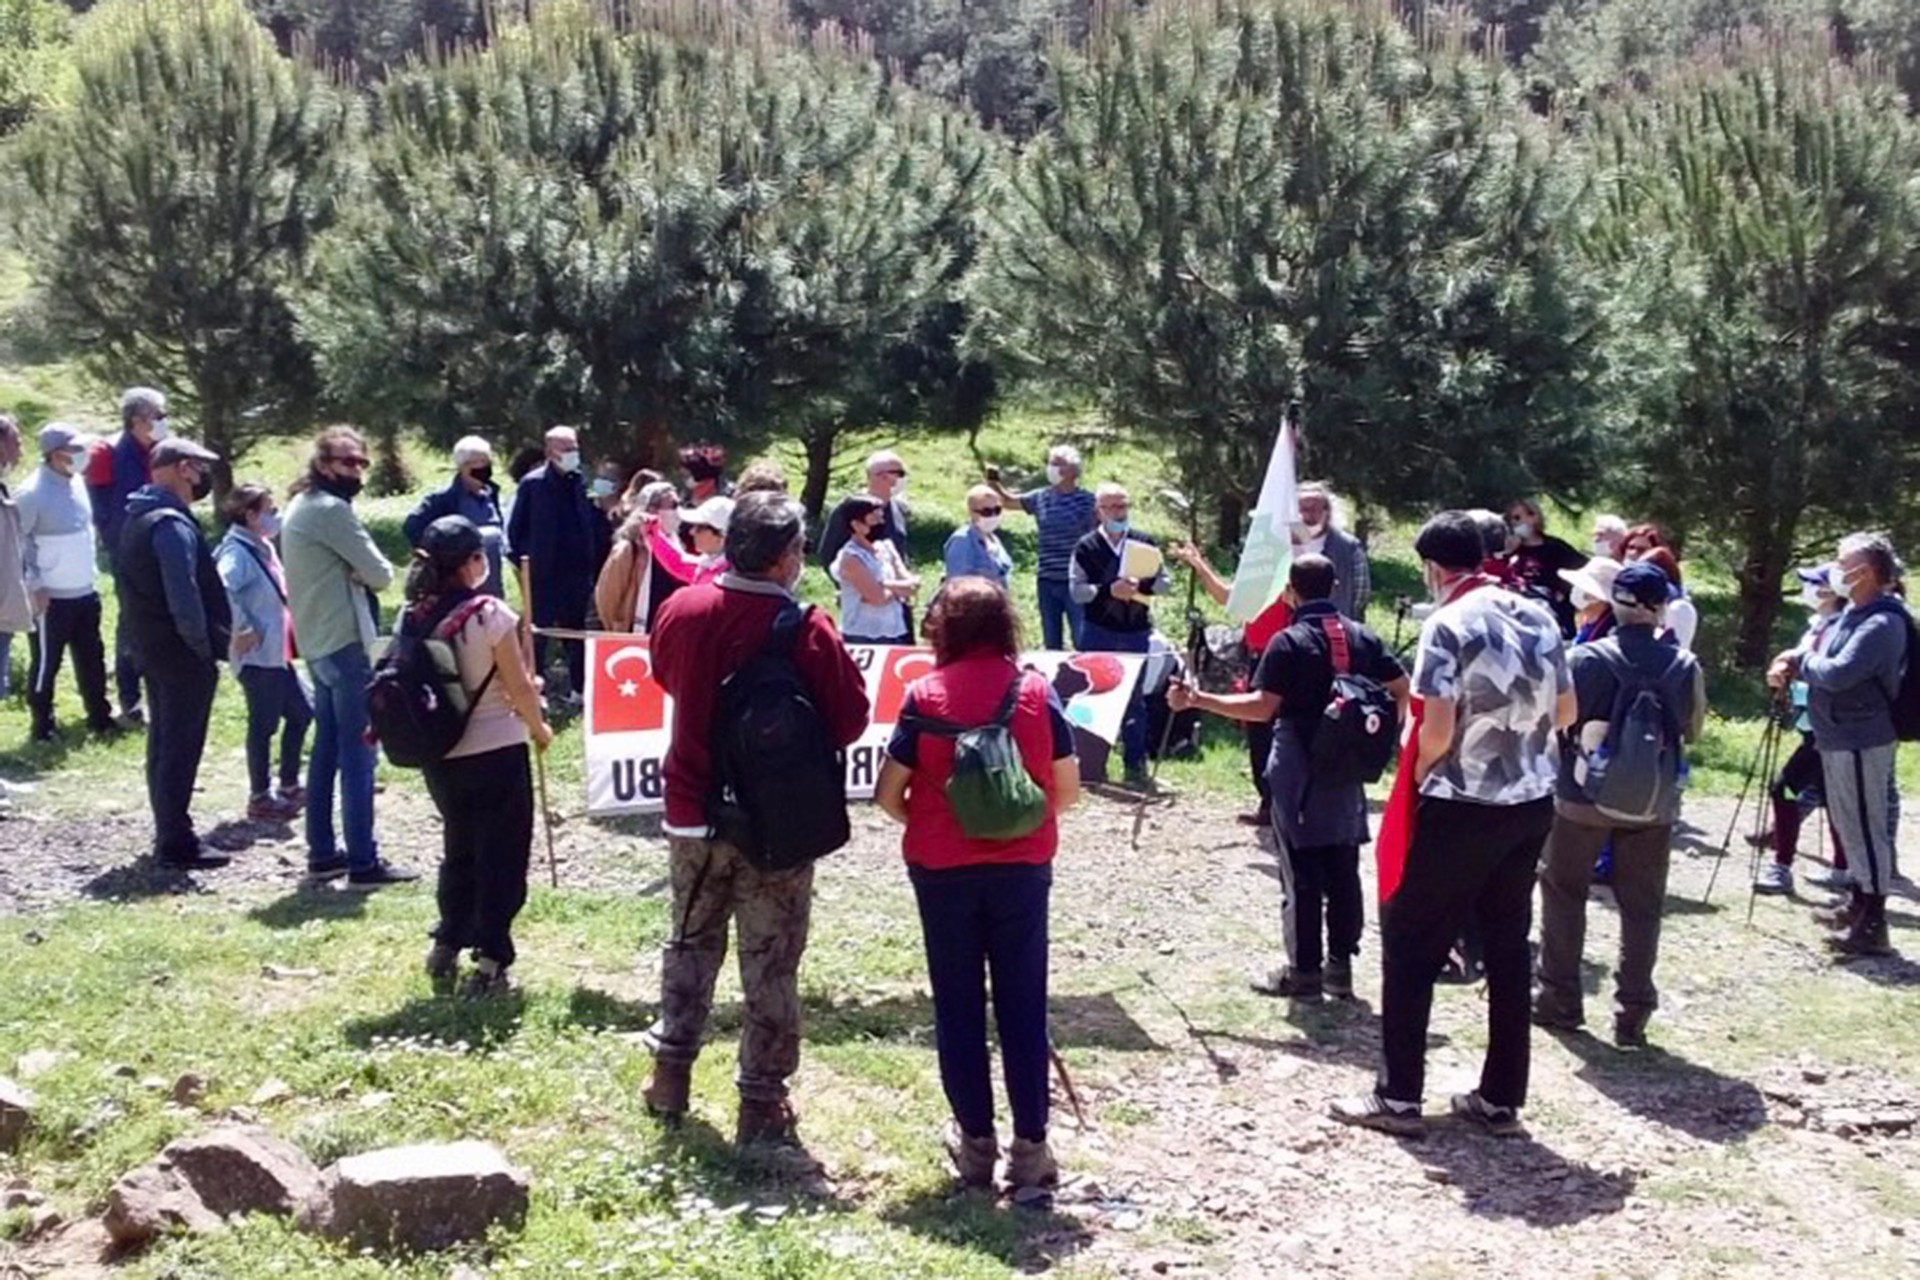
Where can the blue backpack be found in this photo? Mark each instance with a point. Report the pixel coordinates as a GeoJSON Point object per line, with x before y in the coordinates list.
{"type": "Point", "coordinates": [1634, 776]}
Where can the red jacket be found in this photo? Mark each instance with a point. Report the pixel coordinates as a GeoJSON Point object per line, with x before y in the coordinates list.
{"type": "Point", "coordinates": [968, 692]}
{"type": "Point", "coordinates": [705, 633]}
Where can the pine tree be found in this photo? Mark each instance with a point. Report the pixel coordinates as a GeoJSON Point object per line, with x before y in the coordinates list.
{"type": "Point", "coordinates": [1248, 202]}
{"type": "Point", "coordinates": [169, 206]}
{"type": "Point", "coordinates": [1761, 218]}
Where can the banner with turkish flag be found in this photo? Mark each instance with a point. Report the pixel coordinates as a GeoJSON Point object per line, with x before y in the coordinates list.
{"type": "Point", "coordinates": [629, 717]}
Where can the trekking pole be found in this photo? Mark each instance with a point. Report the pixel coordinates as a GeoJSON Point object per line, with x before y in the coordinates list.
{"type": "Point", "coordinates": [1196, 636]}
{"type": "Point", "coordinates": [1771, 743]}
{"type": "Point", "coordinates": [1739, 807]}
{"type": "Point", "coordinates": [525, 567]}
{"type": "Point", "coordinates": [1066, 1083]}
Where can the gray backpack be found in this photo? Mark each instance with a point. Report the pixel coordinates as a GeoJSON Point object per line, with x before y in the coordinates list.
{"type": "Point", "coordinates": [1633, 777]}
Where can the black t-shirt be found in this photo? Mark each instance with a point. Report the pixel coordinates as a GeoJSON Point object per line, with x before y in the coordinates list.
{"type": "Point", "coordinates": [1539, 567]}
{"type": "Point", "coordinates": [1298, 663]}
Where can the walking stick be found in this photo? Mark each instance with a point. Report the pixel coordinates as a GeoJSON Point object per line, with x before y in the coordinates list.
{"type": "Point", "coordinates": [1066, 1083]}
{"type": "Point", "coordinates": [525, 567]}
{"type": "Point", "coordinates": [1196, 637]}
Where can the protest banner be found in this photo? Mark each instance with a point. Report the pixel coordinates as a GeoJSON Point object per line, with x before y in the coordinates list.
{"type": "Point", "coordinates": [629, 717]}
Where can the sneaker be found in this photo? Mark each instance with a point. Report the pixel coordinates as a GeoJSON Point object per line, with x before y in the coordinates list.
{"type": "Point", "coordinates": [1501, 1122]}
{"type": "Point", "coordinates": [108, 728]}
{"type": "Point", "coordinates": [766, 1122]}
{"type": "Point", "coordinates": [973, 1158]}
{"type": "Point", "coordinates": [380, 875]}
{"type": "Point", "coordinates": [197, 859]}
{"type": "Point", "coordinates": [326, 869]}
{"type": "Point", "coordinates": [266, 807]}
{"type": "Point", "coordinates": [488, 981]}
{"type": "Point", "coordinates": [1760, 839]}
{"type": "Point", "coordinates": [1371, 1111]}
{"type": "Point", "coordinates": [1284, 982]}
{"type": "Point", "coordinates": [1834, 879]}
{"type": "Point", "coordinates": [1260, 817]}
{"type": "Point", "coordinates": [443, 967]}
{"type": "Point", "coordinates": [669, 1090]}
{"type": "Point", "coordinates": [1774, 879]}
{"type": "Point", "coordinates": [1630, 1030]}
{"type": "Point", "coordinates": [1867, 937]}
{"type": "Point", "coordinates": [1338, 980]}
{"type": "Point", "coordinates": [1551, 1019]}
{"type": "Point", "coordinates": [1136, 780]}
{"type": "Point", "coordinates": [45, 733]}
{"type": "Point", "coordinates": [134, 717]}
{"type": "Point", "coordinates": [296, 796]}
{"type": "Point", "coordinates": [1031, 1165]}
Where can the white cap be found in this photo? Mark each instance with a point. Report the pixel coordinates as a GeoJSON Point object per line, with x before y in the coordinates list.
{"type": "Point", "coordinates": [713, 514]}
{"type": "Point", "coordinates": [1595, 577]}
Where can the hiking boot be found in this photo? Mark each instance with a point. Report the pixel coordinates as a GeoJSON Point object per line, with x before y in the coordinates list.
{"type": "Point", "coordinates": [669, 1091]}
{"type": "Point", "coordinates": [1031, 1164]}
{"type": "Point", "coordinates": [1866, 937]}
{"type": "Point", "coordinates": [488, 981]}
{"type": "Point", "coordinates": [766, 1122]}
{"type": "Point", "coordinates": [443, 967]}
{"type": "Point", "coordinates": [266, 807]}
{"type": "Point", "coordinates": [379, 875]}
{"type": "Point", "coordinates": [1630, 1030]}
{"type": "Point", "coordinates": [1338, 979]}
{"type": "Point", "coordinates": [1371, 1111]}
{"type": "Point", "coordinates": [1774, 880]}
{"type": "Point", "coordinates": [1552, 1019]}
{"type": "Point", "coordinates": [1260, 817]}
{"type": "Point", "coordinates": [294, 796]}
{"type": "Point", "coordinates": [1136, 779]}
{"type": "Point", "coordinates": [1501, 1122]}
{"type": "Point", "coordinates": [1841, 915]}
{"type": "Point", "coordinates": [1284, 982]}
{"type": "Point", "coordinates": [973, 1158]}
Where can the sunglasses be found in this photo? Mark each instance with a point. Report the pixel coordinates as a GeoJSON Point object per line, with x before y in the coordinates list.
{"type": "Point", "coordinates": [897, 475]}
{"type": "Point", "coordinates": [988, 511]}
{"type": "Point", "coordinates": [357, 464]}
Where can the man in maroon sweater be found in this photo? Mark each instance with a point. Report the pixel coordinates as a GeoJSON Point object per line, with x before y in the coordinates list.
{"type": "Point", "coordinates": [702, 635]}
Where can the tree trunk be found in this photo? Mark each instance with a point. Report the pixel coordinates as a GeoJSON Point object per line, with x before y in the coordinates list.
{"type": "Point", "coordinates": [390, 474]}
{"type": "Point", "coordinates": [1233, 513]}
{"type": "Point", "coordinates": [820, 442]}
{"type": "Point", "coordinates": [1769, 539]}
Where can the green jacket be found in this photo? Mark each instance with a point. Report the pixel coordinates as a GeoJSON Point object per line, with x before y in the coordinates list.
{"type": "Point", "coordinates": [324, 544]}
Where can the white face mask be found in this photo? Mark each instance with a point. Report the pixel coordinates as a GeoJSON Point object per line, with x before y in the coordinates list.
{"type": "Point", "coordinates": [1840, 581]}
{"type": "Point", "coordinates": [568, 461]}
{"type": "Point", "coordinates": [1055, 474]}
{"type": "Point", "coordinates": [1523, 529]}
{"type": "Point", "coordinates": [900, 487]}
{"type": "Point", "coordinates": [1603, 548]}
{"type": "Point", "coordinates": [670, 521]}
{"type": "Point", "coordinates": [987, 523]}
{"type": "Point", "coordinates": [160, 430]}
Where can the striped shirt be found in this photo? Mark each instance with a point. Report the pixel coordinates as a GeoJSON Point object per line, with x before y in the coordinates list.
{"type": "Point", "coordinates": [1063, 519]}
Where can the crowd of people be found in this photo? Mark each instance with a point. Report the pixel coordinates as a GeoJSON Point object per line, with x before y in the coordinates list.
{"type": "Point", "coordinates": [1547, 707]}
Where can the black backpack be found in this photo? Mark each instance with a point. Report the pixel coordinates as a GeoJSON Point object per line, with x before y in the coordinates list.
{"type": "Point", "coordinates": [780, 782]}
{"type": "Point", "coordinates": [416, 706]}
{"type": "Point", "coordinates": [1906, 702]}
{"type": "Point", "coordinates": [1359, 731]}
{"type": "Point", "coordinates": [1633, 778]}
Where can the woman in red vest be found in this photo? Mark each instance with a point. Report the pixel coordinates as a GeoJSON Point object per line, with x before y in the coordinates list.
{"type": "Point", "coordinates": [983, 903]}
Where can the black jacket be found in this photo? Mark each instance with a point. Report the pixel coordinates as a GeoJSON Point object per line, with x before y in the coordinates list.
{"type": "Point", "coordinates": [171, 597]}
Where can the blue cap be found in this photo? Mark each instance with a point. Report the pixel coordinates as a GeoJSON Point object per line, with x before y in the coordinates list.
{"type": "Point", "coordinates": [1642, 585]}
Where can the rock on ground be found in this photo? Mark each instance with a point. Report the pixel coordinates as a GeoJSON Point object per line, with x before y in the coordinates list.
{"type": "Point", "coordinates": [16, 1114]}
{"type": "Point", "coordinates": [425, 1197]}
{"type": "Point", "coordinates": [195, 1184]}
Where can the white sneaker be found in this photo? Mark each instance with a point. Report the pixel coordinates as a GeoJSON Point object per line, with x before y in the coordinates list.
{"type": "Point", "coordinates": [1774, 879]}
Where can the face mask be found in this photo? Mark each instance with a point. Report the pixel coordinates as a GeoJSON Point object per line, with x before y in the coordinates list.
{"type": "Point", "coordinates": [670, 521]}
{"type": "Point", "coordinates": [1582, 601]}
{"type": "Point", "coordinates": [1054, 473]}
{"type": "Point", "coordinates": [1114, 527]}
{"type": "Point", "coordinates": [568, 461]}
{"type": "Point", "coordinates": [1602, 549]}
{"type": "Point", "coordinates": [345, 488]}
{"type": "Point", "coordinates": [160, 430]}
{"type": "Point", "coordinates": [987, 523]}
{"type": "Point", "coordinates": [202, 485]}
{"type": "Point", "coordinates": [900, 487]}
{"type": "Point", "coordinates": [484, 475]}
{"type": "Point", "coordinates": [1522, 529]}
{"type": "Point", "coordinates": [602, 487]}
{"type": "Point", "coordinates": [270, 525]}
{"type": "Point", "coordinates": [1838, 582]}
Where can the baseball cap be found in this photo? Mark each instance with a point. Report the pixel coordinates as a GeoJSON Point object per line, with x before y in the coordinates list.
{"type": "Point", "coordinates": [712, 514]}
{"type": "Point", "coordinates": [56, 436]}
{"type": "Point", "coordinates": [1642, 585]}
{"type": "Point", "coordinates": [451, 538]}
{"type": "Point", "coordinates": [176, 449]}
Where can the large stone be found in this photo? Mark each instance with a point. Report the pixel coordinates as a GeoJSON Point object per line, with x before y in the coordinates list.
{"type": "Point", "coordinates": [153, 1200]}
{"type": "Point", "coordinates": [195, 1184]}
{"type": "Point", "coordinates": [16, 1114]}
{"type": "Point", "coordinates": [425, 1197]}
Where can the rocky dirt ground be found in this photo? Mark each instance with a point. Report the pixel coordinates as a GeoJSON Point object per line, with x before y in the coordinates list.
{"type": "Point", "coordinates": [1769, 1133]}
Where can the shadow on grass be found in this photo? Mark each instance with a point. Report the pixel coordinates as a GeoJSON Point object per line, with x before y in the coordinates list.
{"type": "Point", "coordinates": [1885, 971]}
{"type": "Point", "coordinates": [1661, 1086]}
{"type": "Point", "coordinates": [1077, 1021]}
{"type": "Point", "coordinates": [1519, 1177]}
{"type": "Point", "coordinates": [589, 1007]}
{"type": "Point", "coordinates": [484, 1024]}
{"type": "Point", "coordinates": [307, 903]}
{"type": "Point", "coordinates": [1027, 1240]}
{"type": "Point", "coordinates": [146, 877]}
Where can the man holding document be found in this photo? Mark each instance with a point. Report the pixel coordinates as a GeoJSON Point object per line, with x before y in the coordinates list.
{"type": "Point", "coordinates": [1116, 571]}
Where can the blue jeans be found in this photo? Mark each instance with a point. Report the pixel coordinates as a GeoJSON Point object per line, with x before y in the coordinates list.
{"type": "Point", "coordinates": [340, 747]}
{"type": "Point", "coordinates": [979, 921]}
{"type": "Point", "coordinates": [1057, 605]}
{"type": "Point", "coordinates": [1095, 638]}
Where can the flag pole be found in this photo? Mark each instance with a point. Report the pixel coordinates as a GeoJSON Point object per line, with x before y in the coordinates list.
{"type": "Point", "coordinates": [525, 568]}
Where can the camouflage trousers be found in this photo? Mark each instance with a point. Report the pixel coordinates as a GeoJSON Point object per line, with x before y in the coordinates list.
{"type": "Point", "coordinates": [713, 884]}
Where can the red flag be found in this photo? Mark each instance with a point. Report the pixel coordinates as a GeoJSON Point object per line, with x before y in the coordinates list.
{"type": "Point", "coordinates": [626, 699]}
{"type": "Point", "coordinates": [904, 666]}
{"type": "Point", "coordinates": [1396, 820]}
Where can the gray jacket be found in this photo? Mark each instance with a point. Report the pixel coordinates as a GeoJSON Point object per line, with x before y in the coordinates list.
{"type": "Point", "coordinates": [56, 523]}
{"type": "Point", "coordinates": [16, 606]}
{"type": "Point", "coordinates": [1353, 577]}
{"type": "Point", "coordinates": [1854, 675]}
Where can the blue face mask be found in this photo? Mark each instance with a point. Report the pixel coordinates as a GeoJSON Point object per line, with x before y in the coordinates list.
{"type": "Point", "coordinates": [270, 525]}
{"type": "Point", "coordinates": [1115, 527]}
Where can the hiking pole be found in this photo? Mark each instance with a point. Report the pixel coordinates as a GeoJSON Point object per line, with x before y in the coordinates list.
{"type": "Point", "coordinates": [1739, 807]}
{"type": "Point", "coordinates": [1770, 767]}
{"type": "Point", "coordinates": [1066, 1083]}
{"type": "Point", "coordinates": [525, 567]}
{"type": "Point", "coordinates": [1196, 636]}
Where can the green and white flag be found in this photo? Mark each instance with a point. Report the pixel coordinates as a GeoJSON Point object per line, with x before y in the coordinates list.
{"type": "Point", "coordinates": [1268, 555]}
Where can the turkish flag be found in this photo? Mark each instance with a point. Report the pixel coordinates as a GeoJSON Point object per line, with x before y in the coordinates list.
{"type": "Point", "coordinates": [624, 697]}
{"type": "Point", "coordinates": [903, 667]}
{"type": "Point", "coordinates": [1396, 820]}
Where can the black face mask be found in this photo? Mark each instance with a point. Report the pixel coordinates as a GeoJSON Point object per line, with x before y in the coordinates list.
{"type": "Point", "coordinates": [203, 485]}
{"type": "Point", "coordinates": [482, 474]}
{"type": "Point", "coordinates": [345, 488]}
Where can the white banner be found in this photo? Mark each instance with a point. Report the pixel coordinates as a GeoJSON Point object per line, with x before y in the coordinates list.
{"type": "Point", "coordinates": [629, 717]}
